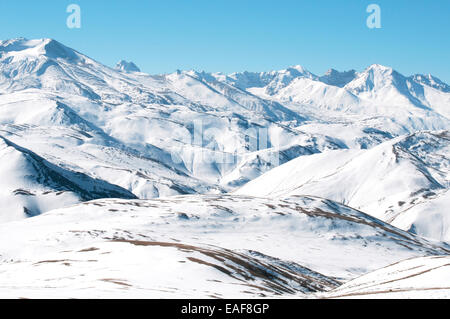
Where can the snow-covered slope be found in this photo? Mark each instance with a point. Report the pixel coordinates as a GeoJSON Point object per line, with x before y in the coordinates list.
{"type": "Point", "coordinates": [31, 185]}
{"type": "Point", "coordinates": [187, 132]}
{"type": "Point", "coordinates": [45, 84]}
{"type": "Point", "coordinates": [198, 246]}
{"type": "Point", "coordinates": [426, 277]}
{"type": "Point", "coordinates": [429, 218]}
{"type": "Point", "coordinates": [400, 175]}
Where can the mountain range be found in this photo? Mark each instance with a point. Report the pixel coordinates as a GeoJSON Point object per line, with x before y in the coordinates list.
{"type": "Point", "coordinates": [280, 183]}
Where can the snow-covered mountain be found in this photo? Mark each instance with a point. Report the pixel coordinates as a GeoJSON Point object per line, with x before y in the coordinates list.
{"type": "Point", "coordinates": [125, 66]}
{"type": "Point", "coordinates": [431, 81]}
{"type": "Point", "coordinates": [31, 185]}
{"type": "Point", "coordinates": [386, 181]}
{"type": "Point", "coordinates": [249, 152]}
{"type": "Point", "coordinates": [336, 78]}
{"type": "Point", "coordinates": [198, 246]}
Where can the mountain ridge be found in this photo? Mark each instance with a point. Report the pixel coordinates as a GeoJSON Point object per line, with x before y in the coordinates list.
{"type": "Point", "coordinates": [219, 178]}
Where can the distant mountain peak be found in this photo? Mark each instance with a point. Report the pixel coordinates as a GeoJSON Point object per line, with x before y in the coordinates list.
{"type": "Point", "coordinates": [335, 72]}
{"type": "Point", "coordinates": [299, 68]}
{"type": "Point", "coordinates": [126, 66]}
{"type": "Point", "coordinates": [337, 78]}
{"type": "Point", "coordinates": [431, 81]}
{"type": "Point", "coordinates": [50, 48]}
{"type": "Point", "coordinates": [375, 77]}
{"type": "Point", "coordinates": [379, 67]}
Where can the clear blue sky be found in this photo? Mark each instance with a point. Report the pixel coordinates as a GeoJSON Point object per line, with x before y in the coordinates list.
{"type": "Point", "coordinates": [236, 35]}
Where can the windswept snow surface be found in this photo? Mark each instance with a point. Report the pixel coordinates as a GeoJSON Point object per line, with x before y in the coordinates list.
{"type": "Point", "coordinates": [403, 181]}
{"type": "Point", "coordinates": [425, 277]}
{"type": "Point", "coordinates": [160, 153]}
{"type": "Point", "coordinates": [198, 246]}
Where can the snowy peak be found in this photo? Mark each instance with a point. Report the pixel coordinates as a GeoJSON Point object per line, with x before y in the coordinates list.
{"type": "Point", "coordinates": [378, 76]}
{"type": "Point", "coordinates": [384, 85]}
{"type": "Point", "coordinates": [298, 71]}
{"type": "Point", "coordinates": [285, 77]}
{"type": "Point", "coordinates": [431, 81]}
{"type": "Point", "coordinates": [373, 78]}
{"type": "Point", "coordinates": [337, 78]}
{"type": "Point", "coordinates": [55, 50]}
{"type": "Point", "coordinates": [273, 81]}
{"type": "Point", "coordinates": [128, 67]}
{"type": "Point", "coordinates": [22, 44]}
{"type": "Point", "coordinates": [24, 48]}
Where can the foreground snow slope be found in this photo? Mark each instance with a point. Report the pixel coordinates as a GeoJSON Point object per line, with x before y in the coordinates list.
{"type": "Point", "coordinates": [401, 176]}
{"type": "Point", "coordinates": [425, 277]}
{"type": "Point", "coordinates": [197, 246]}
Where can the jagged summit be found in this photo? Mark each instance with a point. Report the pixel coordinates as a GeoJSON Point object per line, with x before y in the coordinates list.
{"type": "Point", "coordinates": [299, 71]}
{"type": "Point", "coordinates": [125, 66]}
{"type": "Point", "coordinates": [431, 81]}
{"type": "Point", "coordinates": [337, 78]}
{"type": "Point", "coordinates": [374, 78]}
{"type": "Point", "coordinates": [22, 48]}
{"type": "Point", "coordinates": [379, 67]}
{"type": "Point", "coordinates": [273, 81]}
